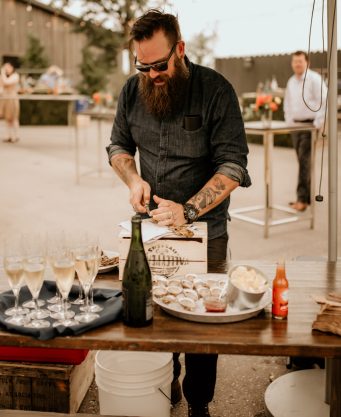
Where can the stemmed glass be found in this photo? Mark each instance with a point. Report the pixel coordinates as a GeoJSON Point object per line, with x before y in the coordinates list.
{"type": "Point", "coordinates": [63, 264]}
{"type": "Point", "coordinates": [34, 268]}
{"type": "Point", "coordinates": [87, 259]}
{"type": "Point", "coordinates": [55, 244]}
{"type": "Point", "coordinates": [93, 308]}
{"type": "Point", "coordinates": [79, 240]}
{"type": "Point", "coordinates": [14, 269]}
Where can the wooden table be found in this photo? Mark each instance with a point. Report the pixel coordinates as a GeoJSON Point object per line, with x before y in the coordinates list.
{"type": "Point", "coordinates": [100, 116]}
{"type": "Point", "coordinates": [257, 336]}
{"type": "Point", "coordinates": [69, 98]}
{"type": "Point", "coordinates": [268, 134]}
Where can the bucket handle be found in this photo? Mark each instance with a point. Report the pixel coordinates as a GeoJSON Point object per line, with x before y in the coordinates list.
{"type": "Point", "coordinates": [162, 392]}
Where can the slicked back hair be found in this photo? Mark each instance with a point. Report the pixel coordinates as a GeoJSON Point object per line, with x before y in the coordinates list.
{"type": "Point", "coordinates": [153, 21]}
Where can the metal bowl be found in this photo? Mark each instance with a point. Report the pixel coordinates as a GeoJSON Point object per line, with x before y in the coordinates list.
{"type": "Point", "coordinates": [243, 298]}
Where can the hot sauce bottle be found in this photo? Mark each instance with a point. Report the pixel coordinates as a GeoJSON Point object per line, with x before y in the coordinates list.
{"type": "Point", "coordinates": [280, 293]}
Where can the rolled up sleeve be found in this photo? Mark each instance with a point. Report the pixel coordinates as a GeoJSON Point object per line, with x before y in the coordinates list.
{"type": "Point", "coordinates": [228, 141]}
{"type": "Point", "coordinates": [121, 139]}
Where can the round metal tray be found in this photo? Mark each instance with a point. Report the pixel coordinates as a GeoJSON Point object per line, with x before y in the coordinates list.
{"type": "Point", "coordinates": [201, 316]}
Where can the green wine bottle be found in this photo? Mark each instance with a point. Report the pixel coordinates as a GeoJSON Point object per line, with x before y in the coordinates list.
{"type": "Point", "coordinates": [137, 281]}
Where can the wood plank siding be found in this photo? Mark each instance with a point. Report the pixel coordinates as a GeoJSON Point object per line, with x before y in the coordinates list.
{"type": "Point", "coordinates": [52, 27]}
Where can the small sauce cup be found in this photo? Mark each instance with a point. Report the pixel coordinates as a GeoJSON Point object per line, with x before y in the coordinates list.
{"type": "Point", "coordinates": [215, 303]}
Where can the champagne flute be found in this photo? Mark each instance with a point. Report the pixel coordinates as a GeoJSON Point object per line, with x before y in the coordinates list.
{"type": "Point", "coordinates": [55, 243]}
{"type": "Point", "coordinates": [79, 240]}
{"type": "Point", "coordinates": [86, 264]}
{"type": "Point", "coordinates": [94, 308]}
{"type": "Point", "coordinates": [63, 265]}
{"type": "Point", "coordinates": [34, 268]}
{"type": "Point", "coordinates": [13, 265]}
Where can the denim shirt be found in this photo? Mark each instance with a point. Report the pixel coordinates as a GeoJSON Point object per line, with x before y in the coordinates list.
{"type": "Point", "coordinates": [175, 161]}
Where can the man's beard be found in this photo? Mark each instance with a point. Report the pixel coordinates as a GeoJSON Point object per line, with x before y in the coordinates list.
{"type": "Point", "coordinates": [165, 100]}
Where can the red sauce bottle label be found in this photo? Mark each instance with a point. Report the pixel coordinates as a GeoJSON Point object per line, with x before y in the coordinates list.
{"type": "Point", "coordinates": [280, 297]}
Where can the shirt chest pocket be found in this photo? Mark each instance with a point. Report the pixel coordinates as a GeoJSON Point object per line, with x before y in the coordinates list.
{"type": "Point", "coordinates": [191, 143]}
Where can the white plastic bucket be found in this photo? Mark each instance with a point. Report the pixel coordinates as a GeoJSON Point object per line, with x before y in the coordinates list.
{"type": "Point", "coordinates": [134, 383]}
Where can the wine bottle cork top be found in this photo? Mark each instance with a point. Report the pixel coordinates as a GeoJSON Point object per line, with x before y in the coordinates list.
{"type": "Point", "coordinates": [136, 218]}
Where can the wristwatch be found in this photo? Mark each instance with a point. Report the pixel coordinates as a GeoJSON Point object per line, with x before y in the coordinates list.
{"type": "Point", "coordinates": [191, 213]}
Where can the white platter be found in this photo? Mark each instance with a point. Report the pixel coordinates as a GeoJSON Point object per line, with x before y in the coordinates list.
{"type": "Point", "coordinates": [201, 316]}
{"type": "Point", "coordinates": [107, 268]}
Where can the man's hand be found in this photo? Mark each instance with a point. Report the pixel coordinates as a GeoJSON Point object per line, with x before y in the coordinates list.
{"type": "Point", "coordinates": [139, 195]}
{"type": "Point", "coordinates": [168, 212]}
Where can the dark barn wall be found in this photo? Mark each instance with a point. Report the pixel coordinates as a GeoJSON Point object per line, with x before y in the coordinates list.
{"type": "Point", "coordinates": [245, 73]}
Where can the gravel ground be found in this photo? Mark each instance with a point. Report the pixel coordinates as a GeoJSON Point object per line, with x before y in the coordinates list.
{"type": "Point", "coordinates": [241, 383]}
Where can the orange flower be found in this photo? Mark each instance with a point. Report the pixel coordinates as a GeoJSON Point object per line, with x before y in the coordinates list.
{"type": "Point", "coordinates": [273, 106]}
{"type": "Point", "coordinates": [267, 101]}
{"type": "Point", "coordinates": [96, 98]}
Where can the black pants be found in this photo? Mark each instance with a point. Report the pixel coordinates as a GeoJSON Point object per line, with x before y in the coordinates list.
{"type": "Point", "coordinates": [302, 145]}
{"type": "Point", "coordinates": [201, 369]}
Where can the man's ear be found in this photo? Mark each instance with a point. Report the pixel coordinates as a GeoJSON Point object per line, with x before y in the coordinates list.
{"type": "Point", "coordinates": [181, 49]}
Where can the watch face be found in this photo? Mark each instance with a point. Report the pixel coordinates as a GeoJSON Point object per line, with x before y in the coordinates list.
{"type": "Point", "coordinates": [192, 213]}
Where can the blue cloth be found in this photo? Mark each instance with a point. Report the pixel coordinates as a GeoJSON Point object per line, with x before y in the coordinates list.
{"type": "Point", "coordinates": [110, 300]}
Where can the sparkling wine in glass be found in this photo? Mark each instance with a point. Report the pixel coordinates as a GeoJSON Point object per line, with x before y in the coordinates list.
{"type": "Point", "coordinates": [63, 265]}
{"type": "Point", "coordinates": [86, 264]}
{"type": "Point", "coordinates": [13, 265]}
{"type": "Point", "coordinates": [34, 269]}
{"type": "Point", "coordinates": [93, 307]}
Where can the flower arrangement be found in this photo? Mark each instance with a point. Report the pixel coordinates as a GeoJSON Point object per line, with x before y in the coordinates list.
{"type": "Point", "coordinates": [267, 102]}
{"type": "Point", "coordinates": [102, 99]}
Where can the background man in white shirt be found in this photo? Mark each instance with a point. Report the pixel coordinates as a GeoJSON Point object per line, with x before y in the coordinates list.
{"type": "Point", "coordinates": [295, 110]}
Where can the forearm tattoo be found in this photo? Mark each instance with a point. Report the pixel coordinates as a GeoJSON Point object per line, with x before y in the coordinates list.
{"type": "Point", "coordinates": [209, 194]}
{"type": "Point", "coordinates": [124, 167]}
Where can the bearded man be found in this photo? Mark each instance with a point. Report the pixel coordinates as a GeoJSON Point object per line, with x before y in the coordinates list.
{"type": "Point", "coordinates": [186, 123]}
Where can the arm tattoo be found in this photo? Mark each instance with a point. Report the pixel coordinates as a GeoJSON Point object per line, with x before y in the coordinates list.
{"type": "Point", "coordinates": [124, 166]}
{"type": "Point", "coordinates": [208, 195]}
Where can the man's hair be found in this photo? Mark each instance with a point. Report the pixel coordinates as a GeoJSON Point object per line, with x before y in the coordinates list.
{"type": "Point", "coordinates": [153, 21]}
{"type": "Point", "coordinates": [298, 53]}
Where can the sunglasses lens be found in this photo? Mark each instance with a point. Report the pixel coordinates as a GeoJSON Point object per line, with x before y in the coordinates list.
{"type": "Point", "coordinates": [162, 66]}
{"type": "Point", "coordinates": [143, 68]}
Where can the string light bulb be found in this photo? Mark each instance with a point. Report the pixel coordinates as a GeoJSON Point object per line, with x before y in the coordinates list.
{"type": "Point", "coordinates": [29, 8]}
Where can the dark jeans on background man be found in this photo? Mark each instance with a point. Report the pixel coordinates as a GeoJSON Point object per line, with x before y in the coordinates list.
{"type": "Point", "coordinates": [302, 144]}
{"type": "Point", "coordinates": [201, 369]}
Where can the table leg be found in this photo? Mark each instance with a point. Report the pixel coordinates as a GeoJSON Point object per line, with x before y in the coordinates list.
{"type": "Point", "coordinates": [77, 152]}
{"type": "Point", "coordinates": [268, 144]}
{"type": "Point", "coordinates": [335, 388]}
{"type": "Point", "coordinates": [312, 177]}
{"type": "Point", "coordinates": [99, 147]}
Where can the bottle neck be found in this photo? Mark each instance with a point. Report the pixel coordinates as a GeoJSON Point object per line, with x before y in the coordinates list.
{"type": "Point", "coordinates": [136, 234]}
{"type": "Point", "coordinates": [280, 271]}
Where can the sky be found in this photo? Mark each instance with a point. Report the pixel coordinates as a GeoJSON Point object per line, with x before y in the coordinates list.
{"type": "Point", "coordinates": [251, 27]}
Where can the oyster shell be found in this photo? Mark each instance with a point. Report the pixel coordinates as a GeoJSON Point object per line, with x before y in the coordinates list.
{"type": "Point", "coordinates": [190, 294]}
{"type": "Point", "coordinates": [159, 291]}
{"type": "Point", "coordinates": [174, 290]}
{"type": "Point", "coordinates": [187, 283]}
{"type": "Point", "coordinates": [187, 303]}
{"type": "Point", "coordinates": [203, 291]}
{"type": "Point", "coordinates": [169, 298]}
{"type": "Point", "coordinates": [191, 277]}
{"type": "Point", "coordinates": [174, 281]}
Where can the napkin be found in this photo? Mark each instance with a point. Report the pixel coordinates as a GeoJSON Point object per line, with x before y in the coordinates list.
{"type": "Point", "coordinates": [150, 230]}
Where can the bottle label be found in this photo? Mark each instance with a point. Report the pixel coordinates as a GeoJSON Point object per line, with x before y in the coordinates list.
{"type": "Point", "coordinates": [149, 308]}
{"type": "Point", "coordinates": [137, 307]}
{"type": "Point", "coordinates": [280, 297]}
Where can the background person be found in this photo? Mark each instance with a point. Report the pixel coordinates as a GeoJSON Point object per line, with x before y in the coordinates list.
{"type": "Point", "coordinates": [295, 110]}
{"type": "Point", "coordinates": [9, 80]}
{"type": "Point", "coordinates": [186, 123]}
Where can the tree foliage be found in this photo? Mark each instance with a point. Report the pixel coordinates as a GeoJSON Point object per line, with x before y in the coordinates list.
{"type": "Point", "coordinates": [106, 24]}
{"type": "Point", "coordinates": [34, 57]}
{"type": "Point", "coordinates": [200, 48]}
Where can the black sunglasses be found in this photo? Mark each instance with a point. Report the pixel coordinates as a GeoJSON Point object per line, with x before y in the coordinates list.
{"type": "Point", "coordinates": [158, 66]}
